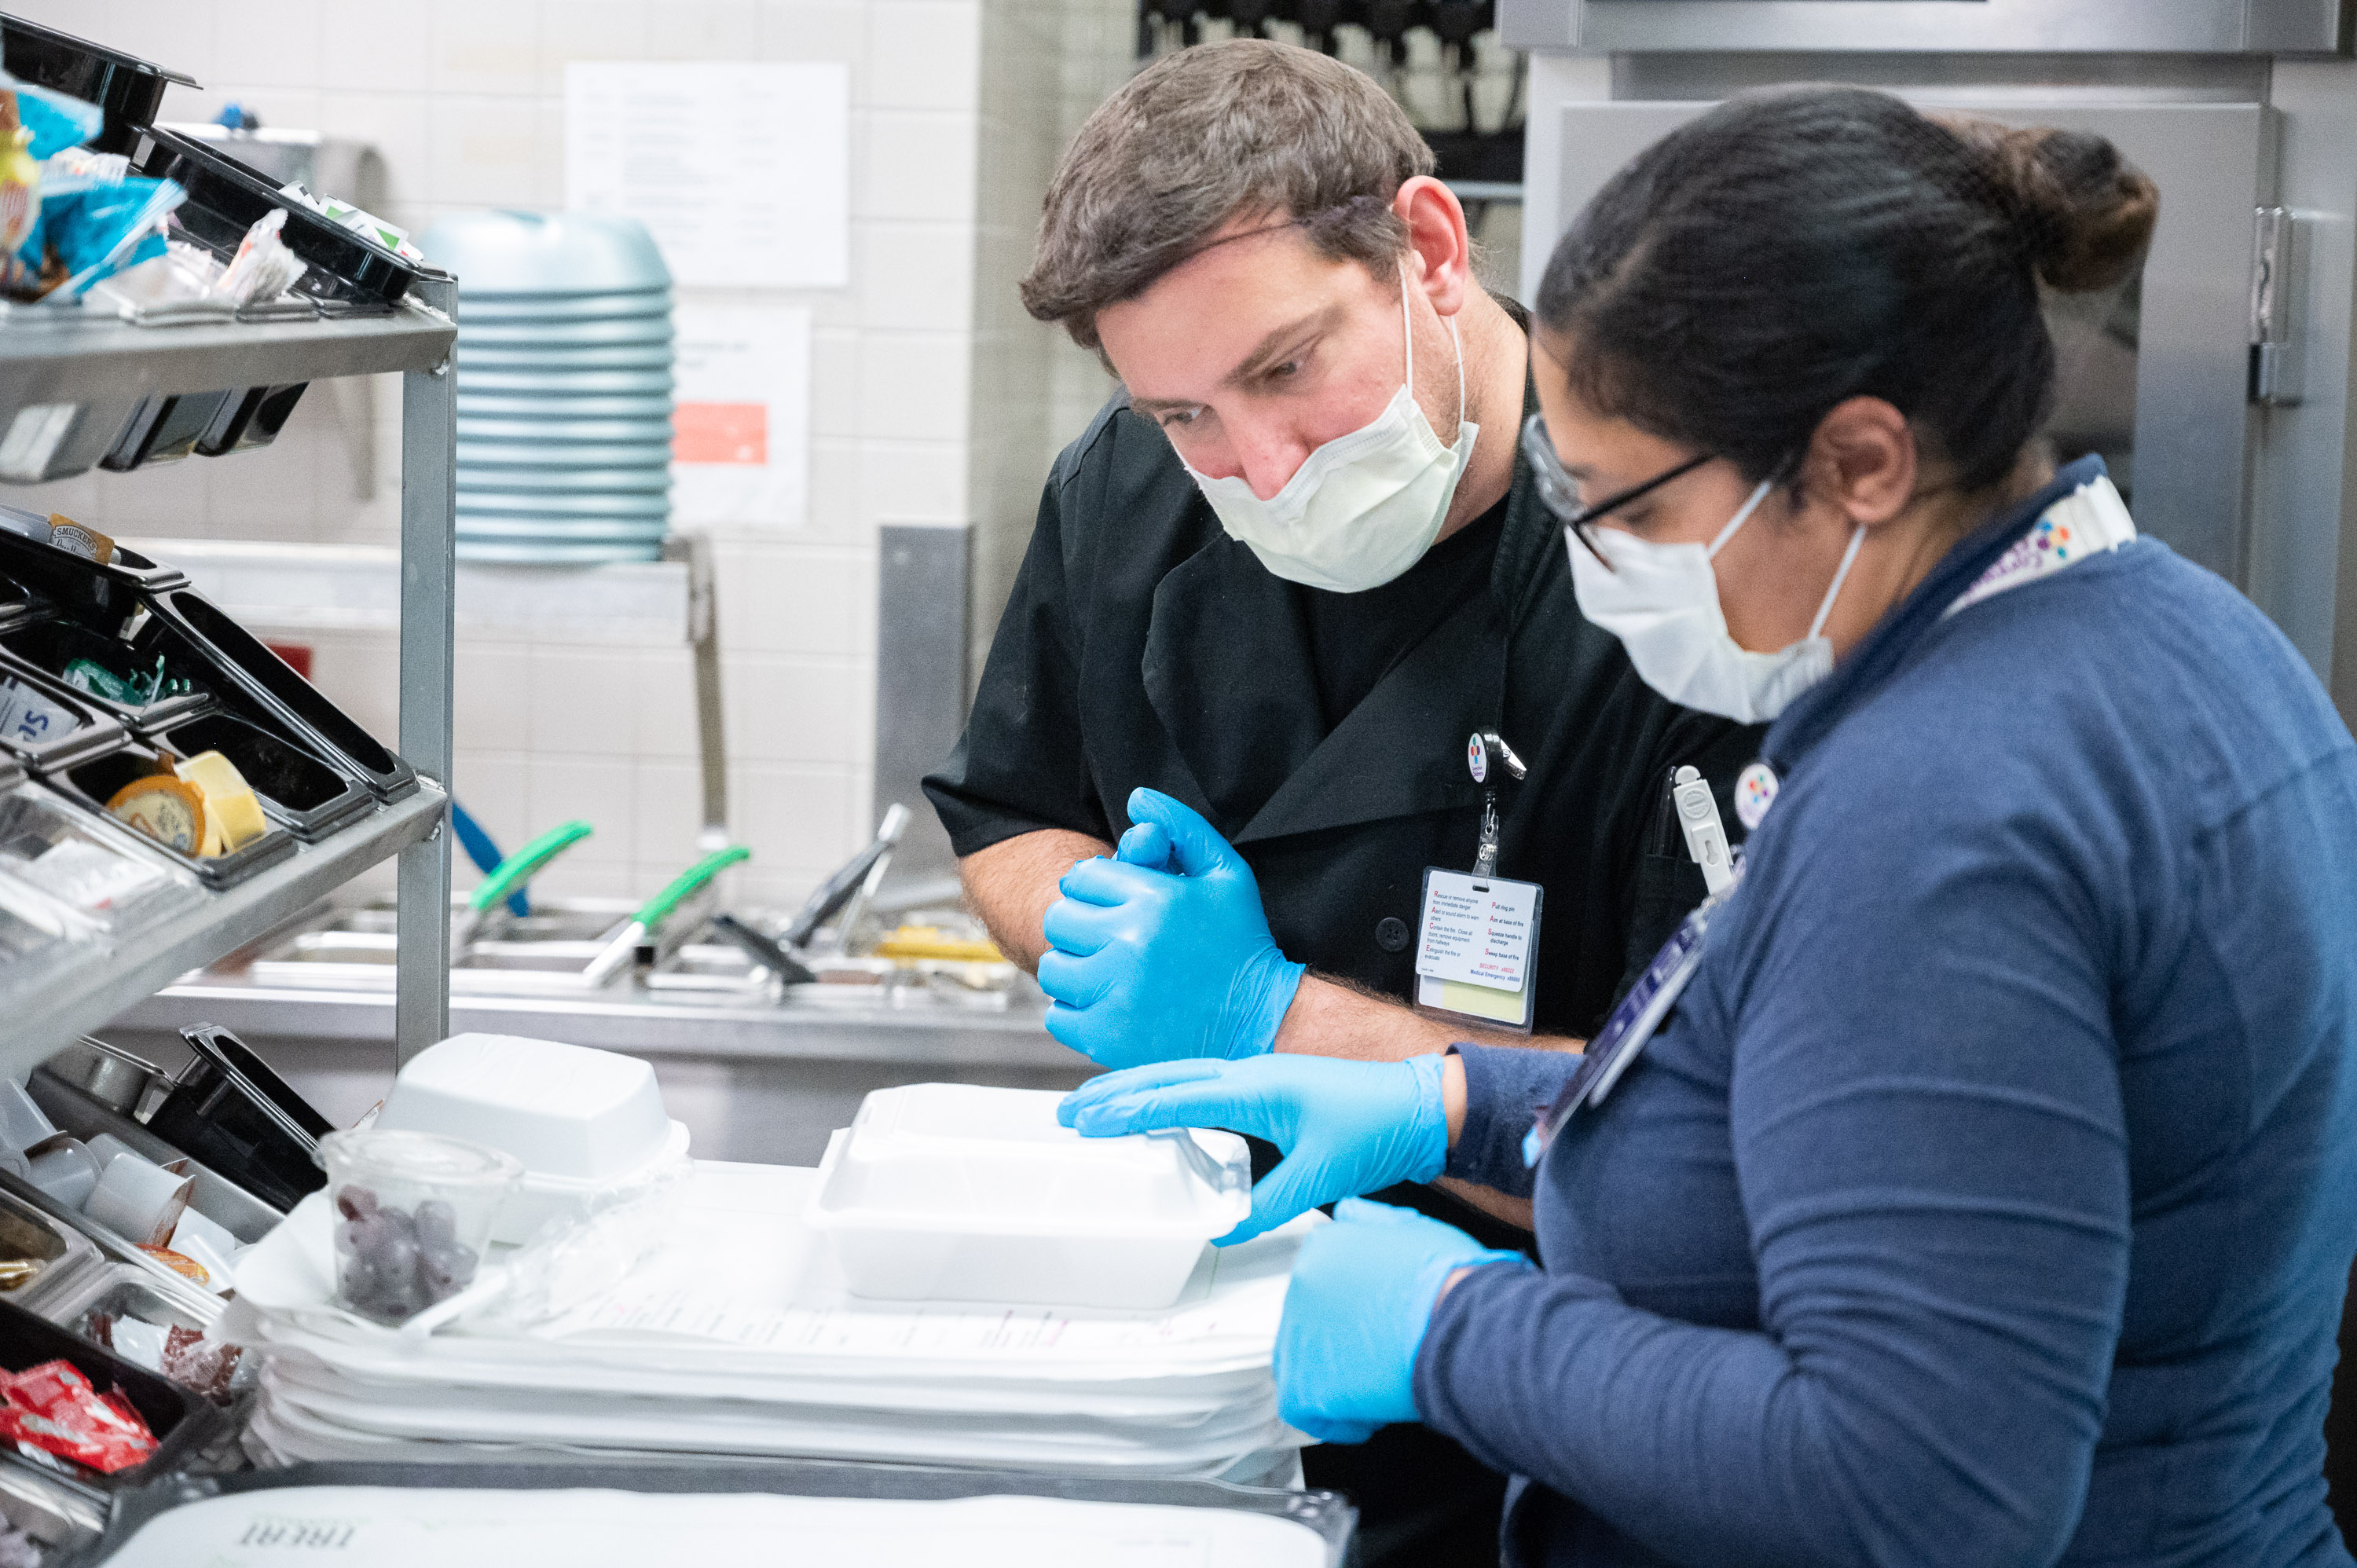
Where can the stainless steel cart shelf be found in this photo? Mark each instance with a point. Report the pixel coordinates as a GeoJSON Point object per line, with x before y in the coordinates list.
{"type": "Point", "coordinates": [50, 354]}
{"type": "Point", "coordinates": [87, 999]}
{"type": "Point", "coordinates": [77, 356]}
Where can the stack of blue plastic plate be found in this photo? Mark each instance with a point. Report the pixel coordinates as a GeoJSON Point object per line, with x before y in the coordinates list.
{"type": "Point", "coordinates": [565, 358]}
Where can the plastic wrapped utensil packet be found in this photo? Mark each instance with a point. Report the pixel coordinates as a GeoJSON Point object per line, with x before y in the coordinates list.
{"type": "Point", "coordinates": [55, 121]}
{"type": "Point", "coordinates": [20, 193]}
{"type": "Point", "coordinates": [264, 268]}
{"type": "Point", "coordinates": [571, 1259]}
{"type": "Point", "coordinates": [95, 228]}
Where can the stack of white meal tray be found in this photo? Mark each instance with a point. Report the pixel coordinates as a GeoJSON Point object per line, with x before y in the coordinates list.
{"type": "Point", "coordinates": [737, 1336]}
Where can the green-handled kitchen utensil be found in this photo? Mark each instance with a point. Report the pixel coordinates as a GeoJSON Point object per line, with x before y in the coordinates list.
{"type": "Point", "coordinates": [507, 876]}
{"type": "Point", "coordinates": [626, 941]}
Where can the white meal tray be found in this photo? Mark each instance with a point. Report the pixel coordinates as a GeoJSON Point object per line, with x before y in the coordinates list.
{"type": "Point", "coordinates": [743, 1292]}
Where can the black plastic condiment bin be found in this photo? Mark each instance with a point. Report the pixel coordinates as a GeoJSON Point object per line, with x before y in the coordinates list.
{"type": "Point", "coordinates": [184, 1423]}
{"type": "Point", "coordinates": [302, 784]}
{"type": "Point", "coordinates": [199, 643]}
{"type": "Point", "coordinates": [250, 419]}
{"type": "Point", "coordinates": [92, 731]}
{"type": "Point", "coordinates": [296, 788]}
{"type": "Point", "coordinates": [230, 1111]}
{"type": "Point", "coordinates": [93, 781]}
{"type": "Point", "coordinates": [53, 643]}
{"type": "Point", "coordinates": [288, 696]}
{"type": "Point", "coordinates": [128, 89]}
{"type": "Point", "coordinates": [164, 428]}
{"type": "Point", "coordinates": [79, 584]}
{"type": "Point", "coordinates": [226, 198]}
{"type": "Point", "coordinates": [1328, 1514]}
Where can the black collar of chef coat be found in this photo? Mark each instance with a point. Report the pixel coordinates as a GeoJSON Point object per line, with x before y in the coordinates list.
{"type": "Point", "coordinates": [1227, 667]}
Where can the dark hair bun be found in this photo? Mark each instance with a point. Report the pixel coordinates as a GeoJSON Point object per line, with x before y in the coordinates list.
{"type": "Point", "coordinates": [2086, 215]}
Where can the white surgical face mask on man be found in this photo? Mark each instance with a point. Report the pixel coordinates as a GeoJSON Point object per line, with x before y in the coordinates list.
{"type": "Point", "coordinates": [1364, 507]}
{"type": "Point", "coordinates": [1661, 602]}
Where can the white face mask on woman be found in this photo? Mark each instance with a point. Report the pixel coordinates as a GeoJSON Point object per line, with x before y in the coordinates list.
{"type": "Point", "coordinates": [1661, 602]}
{"type": "Point", "coordinates": [1364, 507]}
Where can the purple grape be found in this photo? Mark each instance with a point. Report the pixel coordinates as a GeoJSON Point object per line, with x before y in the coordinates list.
{"type": "Point", "coordinates": [437, 1224]}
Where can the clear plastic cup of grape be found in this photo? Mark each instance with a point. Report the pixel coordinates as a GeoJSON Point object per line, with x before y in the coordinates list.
{"type": "Point", "coordinates": [413, 1214]}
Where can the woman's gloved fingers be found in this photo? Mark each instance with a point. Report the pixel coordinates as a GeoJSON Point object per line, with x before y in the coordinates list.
{"type": "Point", "coordinates": [1144, 844]}
{"type": "Point", "coordinates": [1326, 1431]}
{"type": "Point", "coordinates": [1133, 1081]}
{"type": "Point", "coordinates": [1208, 1102]}
{"type": "Point", "coordinates": [1107, 882]}
{"type": "Point", "coordinates": [1289, 1191]}
{"type": "Point", "coordinates": [1367, 1211]}
{"type": "Point", "coordinates": [1196, 847]}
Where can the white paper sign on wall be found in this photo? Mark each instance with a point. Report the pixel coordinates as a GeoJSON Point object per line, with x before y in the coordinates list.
{"type": "Point", "coordinates": [741, 171]}
{"type": "Point", "coordinates": [741, 417]}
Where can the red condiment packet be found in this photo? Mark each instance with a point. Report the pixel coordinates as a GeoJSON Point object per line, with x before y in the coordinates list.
{"type": "Point", "coordinates": [53, 1407]}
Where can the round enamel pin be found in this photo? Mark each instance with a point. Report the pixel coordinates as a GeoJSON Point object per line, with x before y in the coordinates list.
{"type": "Point", "coordinates": [1755, 791]}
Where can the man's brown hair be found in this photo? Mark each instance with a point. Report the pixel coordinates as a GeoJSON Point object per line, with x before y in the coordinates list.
{"type": "Point", "coordinates": [1207, 136]}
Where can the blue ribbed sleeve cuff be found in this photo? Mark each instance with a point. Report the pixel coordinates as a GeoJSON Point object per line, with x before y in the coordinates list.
{"type": "Point", "coordinates": [1504, 1087]}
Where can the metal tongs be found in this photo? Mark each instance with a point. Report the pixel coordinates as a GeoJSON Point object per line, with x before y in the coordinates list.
{"type": "Point", "coordinates": [859, 877]}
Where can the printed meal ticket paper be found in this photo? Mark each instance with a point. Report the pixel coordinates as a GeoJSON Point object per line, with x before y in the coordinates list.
{"type": "Point", "coordinates": [1476, 930]}
{"type": "Point", "coordinates": [398, 1527]}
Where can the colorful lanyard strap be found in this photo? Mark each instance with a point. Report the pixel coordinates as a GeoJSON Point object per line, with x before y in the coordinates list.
{"type": "Point", "coordinates": [1632, 1023]}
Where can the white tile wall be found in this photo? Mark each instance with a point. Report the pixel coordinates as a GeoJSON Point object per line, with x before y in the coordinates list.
{"type": "Point", "coordinates": [935, 400]}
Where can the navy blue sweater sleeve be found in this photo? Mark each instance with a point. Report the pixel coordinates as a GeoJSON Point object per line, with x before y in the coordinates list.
{"type": "Point", "coordinates": [1504, 1087]}
{"type": "Point", "coordinates": [1926, 1124]}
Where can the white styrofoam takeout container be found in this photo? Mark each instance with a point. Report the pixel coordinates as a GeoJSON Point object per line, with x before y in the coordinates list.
{"type": "Point", "coordinates": [956, 1192]}
{"type": "Point", "coordinates": [585, 1123]}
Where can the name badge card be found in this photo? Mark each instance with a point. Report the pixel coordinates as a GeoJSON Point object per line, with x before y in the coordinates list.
{"type": "Point", "coordinates": [1475, 947]}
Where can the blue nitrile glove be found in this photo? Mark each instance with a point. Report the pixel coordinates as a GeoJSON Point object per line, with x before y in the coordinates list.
{"type": "Point", "coordinates": [1149, 964]}
{"type": "Point", "coordinates": [1346, 1127]}
{"type": "Point", "coordinates": [1362, 1295]}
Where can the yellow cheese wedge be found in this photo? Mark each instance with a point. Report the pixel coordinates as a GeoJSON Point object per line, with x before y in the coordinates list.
{"type": "Point", "coordinates": [164, 809]}
{"type": "Point", "coordinates": [232, 810]}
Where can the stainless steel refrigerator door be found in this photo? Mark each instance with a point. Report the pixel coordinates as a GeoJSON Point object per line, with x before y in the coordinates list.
{"type": "Point", "coordinates": [2213, 162]}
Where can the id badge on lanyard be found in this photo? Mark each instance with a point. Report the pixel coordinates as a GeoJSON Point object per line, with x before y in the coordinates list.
{"type": "Point", "coordinates": [1633, 1021]}
{"type": "Point", "coordinates": [1477, 933]}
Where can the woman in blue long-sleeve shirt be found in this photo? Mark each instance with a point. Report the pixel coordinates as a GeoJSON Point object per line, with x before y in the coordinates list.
{"type": "Point", "coordinates": [1988, 1194]}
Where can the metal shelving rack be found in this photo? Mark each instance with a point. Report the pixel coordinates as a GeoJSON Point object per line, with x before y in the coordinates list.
{"type": "Point", "coordinates": [62, 357]}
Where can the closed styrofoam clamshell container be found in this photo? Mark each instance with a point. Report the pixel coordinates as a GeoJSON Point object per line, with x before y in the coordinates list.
{"type": "Point", "coordinates": [959, 1192]}
{"type": "Point", "coordinates": [584, 1122]}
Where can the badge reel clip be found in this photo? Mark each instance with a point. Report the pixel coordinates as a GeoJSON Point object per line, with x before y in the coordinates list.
{"type": "Point", "coordinates": [1648, 1003]}
{"type": "Point", "coordinates": [1478, 936]}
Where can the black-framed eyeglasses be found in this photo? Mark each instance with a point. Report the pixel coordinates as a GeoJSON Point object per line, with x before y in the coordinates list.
{"type": "Point", "coordinates": [1561, 492]}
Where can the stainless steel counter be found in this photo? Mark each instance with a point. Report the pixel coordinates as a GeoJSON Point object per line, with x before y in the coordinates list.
{"type": "Point", "coordinates": [918, 1032]}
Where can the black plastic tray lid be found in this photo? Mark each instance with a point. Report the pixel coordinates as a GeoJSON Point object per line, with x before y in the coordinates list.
{"type": "Point", "coordinates": [128, 89]}
{"type": "Point", "coordinates": [225, 198]}
{"type": "Point", "coordinates": [183, 1422]}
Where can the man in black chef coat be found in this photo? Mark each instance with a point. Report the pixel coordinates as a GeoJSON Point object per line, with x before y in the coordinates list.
{"type": "Point", "coordinates": [1251, 238]}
